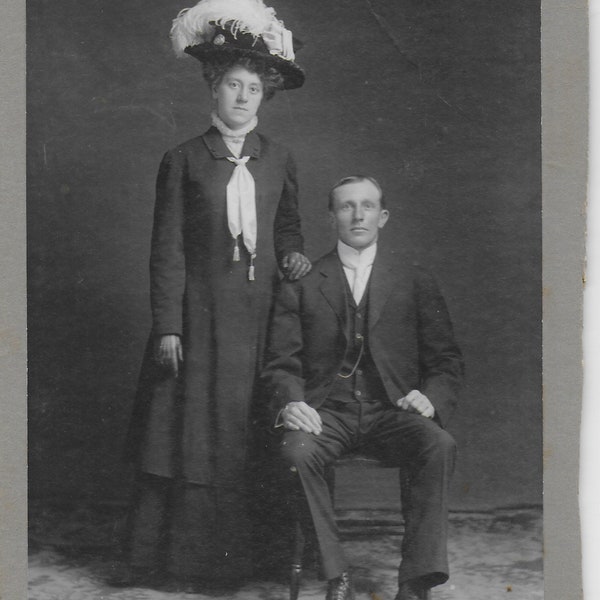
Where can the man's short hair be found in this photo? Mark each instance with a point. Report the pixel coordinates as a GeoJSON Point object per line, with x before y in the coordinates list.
{"type": "Point", "coordinates": [355, 179]}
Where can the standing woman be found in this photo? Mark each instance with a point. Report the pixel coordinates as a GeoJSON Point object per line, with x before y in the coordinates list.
{"type": "Point", "coordinates": [226, 220]}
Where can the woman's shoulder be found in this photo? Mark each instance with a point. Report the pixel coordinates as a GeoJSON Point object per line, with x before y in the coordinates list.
{"type": "Point", "coordinates": [201, 144]}
{"type": "Point", "coordinates": [191, 149]}
{"type": "Point", "coordinates": [191, 145]}
{"type": "Point", "coordinates": [273, 145]}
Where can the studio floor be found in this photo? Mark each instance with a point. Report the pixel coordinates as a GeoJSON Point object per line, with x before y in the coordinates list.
{"type": "Point", "coordinates": [493, 555]}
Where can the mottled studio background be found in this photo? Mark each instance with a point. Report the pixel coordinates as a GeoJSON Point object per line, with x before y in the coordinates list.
{"type": "Point", "coordinates": [438, 99]}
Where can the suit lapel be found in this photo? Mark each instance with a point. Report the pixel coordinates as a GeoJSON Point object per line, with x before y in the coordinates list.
{"type": "Point", "coordinates": [386, 277]}
{"type": "Point", "coordinates": [382, 282]}
{"type": "Point", "coordinates": [332, 287]}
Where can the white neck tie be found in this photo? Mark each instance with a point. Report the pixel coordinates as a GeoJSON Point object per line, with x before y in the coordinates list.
{"type": "Point", "coordinates": [361, 278]}
{"type": "Point", "coordinates": [359, 265]}
{"type": "Point", "coordinates": [241, 209]}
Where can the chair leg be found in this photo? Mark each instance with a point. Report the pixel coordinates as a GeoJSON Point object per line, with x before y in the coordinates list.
{"type": "Point", "coordinates": [405, 490]}
{"type": "Point", "coordinates": [296, 563]}
{"type": "Point", "coordinates": [329, 476]}
{"type": "Point", "coordinates": [295, 578]}
{"type": "Point", "coordinates": [300, 541]}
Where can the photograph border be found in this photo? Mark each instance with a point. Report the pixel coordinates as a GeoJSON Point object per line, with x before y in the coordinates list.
{"type": "Point", "coordinates": [13, 316]}
{"type": "Point", "coordinates": [565, 134]}
{"type": "Point", "coordinates": [564, 195]}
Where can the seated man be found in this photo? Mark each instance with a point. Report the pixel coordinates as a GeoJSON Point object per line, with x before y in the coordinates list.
{"type": "Point", "coordinates": [362, 355]}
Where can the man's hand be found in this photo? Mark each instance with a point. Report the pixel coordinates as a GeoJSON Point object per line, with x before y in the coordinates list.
{"type": "Point", "coordinates": [296, 265]}
{"type": "Point", "coordinates": [168, 352]}
{"type": "Point", "coordinates": [300, 416]}
{"type": "Point", "coordinates": [416, 402]}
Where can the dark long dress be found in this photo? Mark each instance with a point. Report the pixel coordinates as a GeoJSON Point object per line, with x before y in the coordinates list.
{"type": "Point", "coordinates": [194, 436]}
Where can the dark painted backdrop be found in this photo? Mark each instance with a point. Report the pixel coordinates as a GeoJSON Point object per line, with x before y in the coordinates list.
{"type": "Point", "coordinates": [438, 99]}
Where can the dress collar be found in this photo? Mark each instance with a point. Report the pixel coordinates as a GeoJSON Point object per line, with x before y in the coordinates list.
{"type": "Point", "coordinates": [233, 133]}
{"type": "Point", "coordinates": [217, 147]}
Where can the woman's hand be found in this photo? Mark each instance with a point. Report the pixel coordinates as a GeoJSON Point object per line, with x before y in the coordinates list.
{"type": "Point", "coordinates": [168, 352]}
{"type": "Point", "coordinates": [296, 265]}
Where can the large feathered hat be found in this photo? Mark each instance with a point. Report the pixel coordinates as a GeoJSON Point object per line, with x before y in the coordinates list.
{"type": "Point", "coordinates": [239, 28]}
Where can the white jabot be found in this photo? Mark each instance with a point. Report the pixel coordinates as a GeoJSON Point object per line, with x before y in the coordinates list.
{"type": "Point", "coordinates": [241, 208]}
{"type": "Point", "coordinates": [241, 191]}
{"type": "Point", "coordinates": [357, 267]}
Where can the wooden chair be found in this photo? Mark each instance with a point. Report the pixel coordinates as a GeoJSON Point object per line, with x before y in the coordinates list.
{"type": "Point", "coordinates": [355, 460]}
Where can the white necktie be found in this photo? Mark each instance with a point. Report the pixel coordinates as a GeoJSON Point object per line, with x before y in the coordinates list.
{"type": "Point", "coordinates": [241, 209]}
{"type": "Point", "coordinates": [359, 267]}
{"type": "Point", "coordinates": [362, 271]}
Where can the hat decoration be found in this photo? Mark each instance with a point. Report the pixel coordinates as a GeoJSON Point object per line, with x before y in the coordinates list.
{"type": "Point", "coordinates": [238, 27]}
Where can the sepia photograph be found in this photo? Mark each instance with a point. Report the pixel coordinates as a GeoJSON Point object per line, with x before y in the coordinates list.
{"type": "Point", "coordinates": [284, 268]}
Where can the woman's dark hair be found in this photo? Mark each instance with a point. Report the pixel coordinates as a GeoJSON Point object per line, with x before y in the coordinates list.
{"type": "Point", "coordinates": [215, 70]}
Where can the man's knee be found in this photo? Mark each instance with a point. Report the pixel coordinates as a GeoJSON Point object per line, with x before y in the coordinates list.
{"type": "Point", "coordinates": [298, 450]}
{"type": "Point", "coordinates": [446, 443]}
{"type": "Point", "coordinates": [433, 444]}
{"type": "Point", "coordinates": [439, 446]}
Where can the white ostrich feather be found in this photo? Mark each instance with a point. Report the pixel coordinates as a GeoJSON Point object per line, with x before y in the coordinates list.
{"type": "Point", "coordinates": [195, 25]}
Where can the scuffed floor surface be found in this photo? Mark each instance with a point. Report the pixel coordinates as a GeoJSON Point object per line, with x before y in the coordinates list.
{"type": "Point", "coordinates": [496, 555]}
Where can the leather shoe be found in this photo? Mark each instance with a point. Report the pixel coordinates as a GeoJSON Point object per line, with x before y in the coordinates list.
{"type": "Point", "coordinates": [340, 588]}
{"type": "Point", "coordinates": [413, 590]}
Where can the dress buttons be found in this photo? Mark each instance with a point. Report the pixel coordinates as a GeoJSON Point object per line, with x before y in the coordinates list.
{"type": "Point", "coordinates": [358, 336]}
{"type": "Point", "coordinates": [358, 393]}
{"type": "Point", "coordinates": [359, 316]}
{"type": "Point", "coordinates": [359, 372]}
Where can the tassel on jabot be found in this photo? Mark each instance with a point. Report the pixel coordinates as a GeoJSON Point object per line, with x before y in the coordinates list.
{"type": "Point", "coordinates": [241, 192]}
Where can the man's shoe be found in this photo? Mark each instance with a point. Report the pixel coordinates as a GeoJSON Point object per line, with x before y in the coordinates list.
{"type": "Point", "coordinates": [340, 588]}
{"type": "Point", "coordinates": [413, 590]}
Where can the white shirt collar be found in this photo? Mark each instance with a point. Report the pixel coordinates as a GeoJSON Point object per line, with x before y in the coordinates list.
{"type": "Point", "coordinates": [351, 257]}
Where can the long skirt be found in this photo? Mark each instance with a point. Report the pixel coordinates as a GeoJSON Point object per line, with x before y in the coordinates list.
{"type": "Point", "coordinates": [178, 527]}
{"type": "Point", "coordinates": [204, 533]}
{"type": "Point", "coordinates": [205, 487]}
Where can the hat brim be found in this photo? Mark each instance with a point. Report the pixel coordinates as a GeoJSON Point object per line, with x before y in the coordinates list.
{"type": "Point", "coordinates": [292, 74]}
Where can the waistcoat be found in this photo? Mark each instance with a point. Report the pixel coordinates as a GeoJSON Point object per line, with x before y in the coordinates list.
{"type": "Point", "coordinates": [358, 379]}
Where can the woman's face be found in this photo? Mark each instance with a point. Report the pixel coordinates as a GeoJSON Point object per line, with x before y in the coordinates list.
{"type": "Point", "coordinates": [238, 97]}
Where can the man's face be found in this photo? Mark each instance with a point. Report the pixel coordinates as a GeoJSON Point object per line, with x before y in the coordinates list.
{"type": "Point", "coordinates": [357, 214]}
{"type": "Point", "coordinates": [238, 97]}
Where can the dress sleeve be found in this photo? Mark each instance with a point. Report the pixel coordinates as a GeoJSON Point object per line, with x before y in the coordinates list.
{"type": "Point", "coordinates": [282, 376]}
{"type": "Point", "coordinates": [287, 233]}
{"type": "Point", "coordinates": [167, 260]}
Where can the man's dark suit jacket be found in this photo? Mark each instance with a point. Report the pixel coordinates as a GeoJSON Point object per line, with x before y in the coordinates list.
{"type": "Point", "coordinates": [410, 335]}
